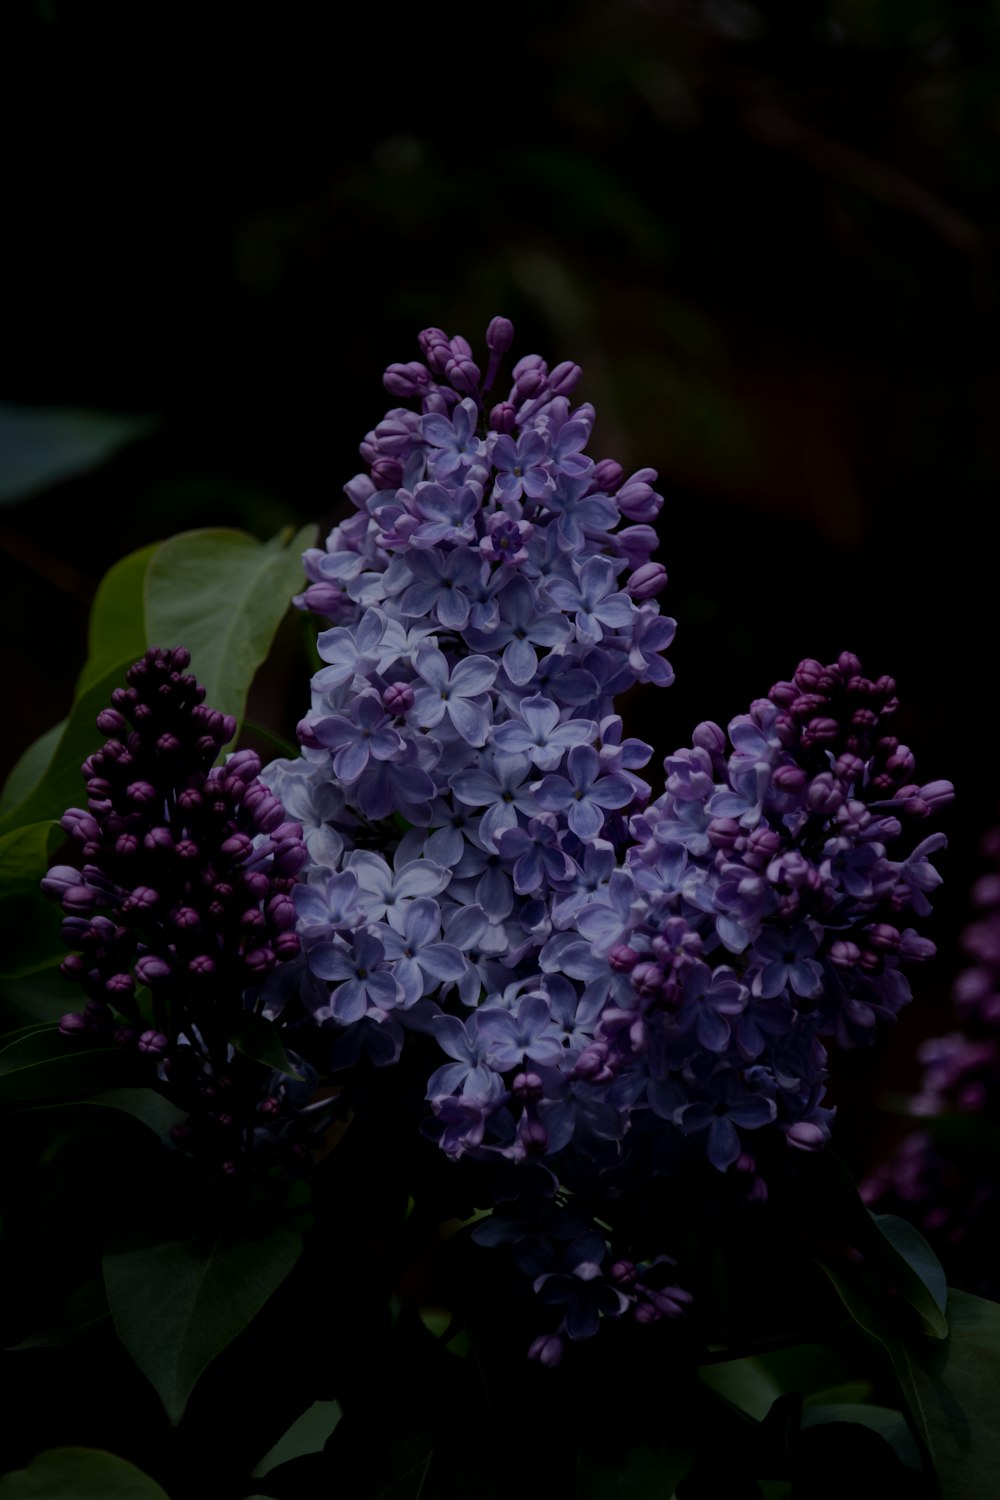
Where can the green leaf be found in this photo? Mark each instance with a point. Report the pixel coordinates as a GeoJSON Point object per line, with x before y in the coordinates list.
{"type": "Point", "coordinates": [869, 1317]}
{"type": "Point", "coordinates": [43, 445]}
{"type": "Point", "coordinates": [41, 1063]}
{"type": "Point", "coordinates": [307, 1434]}
{"type": "Point", "coordinates": [259, 1039]}
{"type": "Point", "coordinates": [745, 1383]}
{"type": "Point", "coordinates": [79, 1474]}
{"type": "Point", "coordinates": [222, 594]}
{"type": "Point", "coordinates": [30, 767]}
{"type": "Point", "coordinates": [958, 1388]}
{"type": "Point", "coordinates": [901, 1255]}
{"type": "Point", "coordinates": [31, 925]}
{"type": "Point", "coordinates": [45, 996]}
{"type": "Point", "coordinates": [919, 1256]}
{"type": "Point", "coordinates": [24, 856]}
{"type": "Point", "coordinates": [118, 617]}
{"type": "Point", "coordinates": [61, 784]}
{"type": "Point", "coordinates": [177, 1304]}
{"type": "Point", "coordinates": [889, 1424]}
{"type": "Point", "coordinates": [643, 1472]}
{"type": "Point", "coordinates": [144, 1105]}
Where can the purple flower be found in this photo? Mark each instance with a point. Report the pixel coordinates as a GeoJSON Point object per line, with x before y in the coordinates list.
{"type": "Point", "coordinates": [458, 693]}
{"type": "Point", "coordinates": [542, 734]}
{"type": "Point", "coordinates": [360, 975]}
{"type": "Point", "coordinates": [593, 599]}
{"type": "Point", "coordinates": [729, 1104]}
{"type": "Point", "coordinates": [585, 796]}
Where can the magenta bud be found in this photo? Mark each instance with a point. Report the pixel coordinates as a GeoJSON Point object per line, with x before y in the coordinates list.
{"type": "Point", "coordinates": [648, 979]}
{"type": "Point", "coordinates": [463, 373]}
{"type": "Point", "coordinates": [110, 721]}
{"type": "Point", "coordinates": [202, 967]}
{"type": "Point", "coordinates": [529, 385]}
{"type": "Point", "coordinates": [150, 968]}
{"type": "Point", "coordinates": [547, 1350]}
{"type": "Point", "coordinates": [806, 1136]}
{"type": "Point", "coordinates": [286, 945]}
{"type": "Point", "coordinates": [238, 846]}
{"type": "Point", "coordinates": [398, 698]}
{"type": "Point", "coordinates": [499, 335]}
{"type": "Point", "coordinates": [503, 417]}
{"type": "Point", "coordinates": [259, 960]}
{"type": "Point", "coordinates": [564, 378]}
{"type": "Point", "coordinates": [73, 1024]}
{"type": "Point", "coordinates": [647, 581]}
{"type": "Point", "coordinates": [321, 598]}
{"type": "Point", "coordinates": [153, 1043]}
{"type": "Point", "coordinates": [622, 958]}
{"type": "Point", "coordinates": [406, 380]}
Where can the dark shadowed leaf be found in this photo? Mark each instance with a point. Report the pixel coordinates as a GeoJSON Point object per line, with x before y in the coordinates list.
{"type": "Point", "coordinates": [31, 925]}
{"type": "Point", "coordinates": [79, 1474]}
{"type": "Point", "coordinates": [177, 1304]}
{"type": "Point", "coordinates": [957, 1386]}
{"type": "Point", "coordinates": [41, 1063]}
{"type": "Point", "coordinates": [29, 768]}
{"type": "Point", "coordinates": [258, 1038]}
{"type": "Point", "coordinates": [889, 1424]}
{"type": "Point", "coordinates": [644, 1471]}
{"type": "Point", "coordinates": [222, 594]}
{"type": "Point", "coordinates": [307, 1434]}
{"type": "Point", "coordinates": [43, 445]}
{"type": "Point", "coordinates": [61, 785]}
{"type": "Point", "coordinates": [118, 617]}
{"type": "Point", "coordinates": [919, 1256]}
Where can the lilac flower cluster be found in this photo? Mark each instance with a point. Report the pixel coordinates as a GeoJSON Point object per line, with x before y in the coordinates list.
{"type": "Point", "coordinates": [184, 899]}
{"type": "Point", "coordinates": [943, 1175]}
{"type": "Point", "coordinates": [486, 870]}
{"type": "Point", "coordinates": [779, 853]}
{"type": "Point", "coordinates": [462, 752]}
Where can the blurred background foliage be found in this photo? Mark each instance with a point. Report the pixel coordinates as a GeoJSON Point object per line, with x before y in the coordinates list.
{"type": "Point", "coordinates": [767, 231]}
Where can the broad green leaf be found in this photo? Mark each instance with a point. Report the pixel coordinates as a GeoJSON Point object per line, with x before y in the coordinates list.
{"type": "Point", "coordinates": [144, 1105]}
{"type": "Point", "coordinates": [45, 996]}
{"type": "Point", "coordinates": [889, 1424]}
{"type": "Point", "coordinates": [957, 1387]}
{"type": "Point", "coordinates": [919, 1256]}
{"type": "Point", "coordinates": [222, 594]}
{"type": "Point", "coordinates": [41, 1063]}
{"type": "Point", "coordinates": [177, 1304]}
{"type": "Point", "coordinates": [745, 1383]}
{"type": "Point", "coordinates": [117, 617]}
{"type": "Point", "coordinates": [84, 1308]}
{"type": "Point", "coordinates": [43, 445]}
{"type": "Point", "coordinates": [30, 924]}
{"type": "Point", "coordinates": [24, 856]}
{"type": "Point", "coordinates": [79, 1474]}
{"type": "Point", "coordinates": [307, 1434]}
{"type": "Point", "coordinates": [61, 785]}
{"type": "Point", "coordinates": [29, 768]}
{"type": "Point", "coordinates": [904, 1268]}
{"type": "Point", "coordinates": [259, 1039]}
{"type": "Point", "coordinates": [643, 1472]}
{"type": "Point", "coordinates": [871, 1319]}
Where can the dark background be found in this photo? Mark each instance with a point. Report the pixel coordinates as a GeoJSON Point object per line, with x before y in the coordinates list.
{"type": "Point", "coordinates": [767, 231]}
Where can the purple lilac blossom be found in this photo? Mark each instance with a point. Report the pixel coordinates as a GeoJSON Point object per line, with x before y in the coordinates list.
{"type": "Point", "coordinates": [621, 987]}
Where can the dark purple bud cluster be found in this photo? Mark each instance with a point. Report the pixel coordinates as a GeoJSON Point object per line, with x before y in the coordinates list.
{"type": "Point", "coordinates": [184, 893]}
